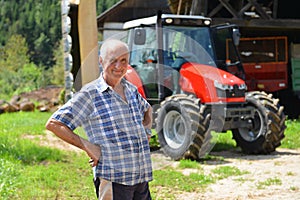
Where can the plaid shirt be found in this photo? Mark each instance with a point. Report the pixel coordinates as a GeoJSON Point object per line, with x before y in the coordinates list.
{"type": "Point", "coordinates": [114, 125]}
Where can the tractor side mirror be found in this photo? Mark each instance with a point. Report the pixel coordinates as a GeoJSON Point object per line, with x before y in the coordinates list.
{"type": "Point", "coordinates": [236, 36]}
{"type": "Point", "coordinates": [139, 36]}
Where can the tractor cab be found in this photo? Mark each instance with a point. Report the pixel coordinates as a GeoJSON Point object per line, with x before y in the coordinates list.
{"type": "Point", "coordinates": [162, 45]}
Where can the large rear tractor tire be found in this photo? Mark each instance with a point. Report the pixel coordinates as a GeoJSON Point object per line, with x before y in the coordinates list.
{"type": "Point", "coordinates": [268, 125]}
{"type": "Point", "coordinates": [182, 126]}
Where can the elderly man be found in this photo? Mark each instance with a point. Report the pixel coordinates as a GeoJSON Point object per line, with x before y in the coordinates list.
{"type": "Point", "coordinates": [117, 121]}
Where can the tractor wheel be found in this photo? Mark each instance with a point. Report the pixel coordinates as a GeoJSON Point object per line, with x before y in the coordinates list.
{"type": "Point", "coordinates": [268, 125]}
{"type": "Point", "coordinates": [181, 127]}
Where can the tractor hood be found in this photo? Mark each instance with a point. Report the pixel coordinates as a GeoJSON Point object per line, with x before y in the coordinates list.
{"type": "Point", "coordinates": [211, 84]}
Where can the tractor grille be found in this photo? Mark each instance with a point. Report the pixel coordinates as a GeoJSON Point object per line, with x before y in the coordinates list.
{"type": "Point", "coordinates": [231, 93]}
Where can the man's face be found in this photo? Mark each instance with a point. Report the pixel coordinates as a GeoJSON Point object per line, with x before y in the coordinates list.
{"type": "Point", "coordinates": [115, 63]}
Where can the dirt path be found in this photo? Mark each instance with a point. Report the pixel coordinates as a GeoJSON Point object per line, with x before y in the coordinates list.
{"type": "Point", "coordinates": [269, 177]}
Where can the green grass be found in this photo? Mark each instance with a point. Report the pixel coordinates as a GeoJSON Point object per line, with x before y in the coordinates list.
{"type": "Point", "coordinates": [64, 179]}
{"type": "Point", "coordinates": [189, 164]}
{"type": "Point", "coordinates": [223, 141]}
{"type": "Point", "coordinates": [177, 182]}
{"type": "Point", "coordinates": [292, 135]}
{"type": "Point", "coordinates": [16, 124]}
{"type": "Point", "coordinates": [31, 171]}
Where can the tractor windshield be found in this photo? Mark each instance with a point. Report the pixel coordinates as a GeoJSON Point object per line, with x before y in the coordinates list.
{"type": "Point", "coordinates": [190, 44]}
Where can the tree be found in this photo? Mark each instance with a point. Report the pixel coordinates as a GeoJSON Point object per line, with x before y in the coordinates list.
{"type": "Point", "coordinates": [58, 68]}
{"type": "Point", "coordinates": [17, 73]}
{"type": "Point", "coordinates": [36, 20]}
{"type": "Point", "coordinates": [29, 78]}
{"type": "Point", "coordinates": [15, 54]}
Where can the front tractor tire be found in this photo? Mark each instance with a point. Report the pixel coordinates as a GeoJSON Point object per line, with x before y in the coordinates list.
{"type": "Point", "coordinates": [268, 125]}
{"type": "Point", "coordinates": [181, 126]}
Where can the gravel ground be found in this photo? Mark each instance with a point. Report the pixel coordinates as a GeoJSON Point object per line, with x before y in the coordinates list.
{"type": "Point", "coordinates": [282, 165]}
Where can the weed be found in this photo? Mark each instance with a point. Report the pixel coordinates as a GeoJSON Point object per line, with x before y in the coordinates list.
{"type": "Point", "coordinates": [293, 188]}
{"type": "Point", "coordinates": [268, 182]}
{"type": "Point", "coordinates": [226, 171]}
{"type": "Point", "coordinates": [290, 174]}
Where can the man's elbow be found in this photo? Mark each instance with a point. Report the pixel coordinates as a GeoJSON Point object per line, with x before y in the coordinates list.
{"type": "Point", "coordinates": [50, 125]}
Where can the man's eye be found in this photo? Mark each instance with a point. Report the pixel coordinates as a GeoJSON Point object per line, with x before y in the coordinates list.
{"type": "Point", "coordinates": [124, 61]}
{"type": "Point", "coordinates": [113, 62]}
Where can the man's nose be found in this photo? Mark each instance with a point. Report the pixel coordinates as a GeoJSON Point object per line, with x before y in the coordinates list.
{"type": "Point", "coordinates": [119, 64]}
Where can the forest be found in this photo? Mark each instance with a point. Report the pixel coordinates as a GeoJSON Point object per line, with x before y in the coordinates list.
{"type": "Point", "coordinates": [30, 44]}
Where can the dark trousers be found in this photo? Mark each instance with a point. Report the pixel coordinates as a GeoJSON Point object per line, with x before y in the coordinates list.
{"type": "Point", "coordinates": [124, 192]}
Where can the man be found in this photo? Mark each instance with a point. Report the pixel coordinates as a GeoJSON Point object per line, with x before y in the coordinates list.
{"type": "Point", "coordinates": [117, 121]}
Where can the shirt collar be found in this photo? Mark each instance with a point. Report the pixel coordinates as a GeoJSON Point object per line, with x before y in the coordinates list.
{"type": "Point", "coordinates": [103, 86]}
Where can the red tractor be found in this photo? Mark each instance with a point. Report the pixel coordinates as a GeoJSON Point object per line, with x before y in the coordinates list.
{"type": "Point", "coordinates": [179, 64]}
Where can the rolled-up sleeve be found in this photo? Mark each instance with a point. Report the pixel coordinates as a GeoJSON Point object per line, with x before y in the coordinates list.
{"type": "Point", "coordinates": [144, 104]}
{"type": "Point", "coordinates": [75, 111]}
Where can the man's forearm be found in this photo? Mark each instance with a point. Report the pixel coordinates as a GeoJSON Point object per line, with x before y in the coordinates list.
{"type": "Point", "coordinates": [147, 122]}
{"type": "Point", "coordinates": [66, 134]}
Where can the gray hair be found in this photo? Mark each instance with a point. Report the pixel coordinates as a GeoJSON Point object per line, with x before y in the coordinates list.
{"type": "Point", "coordinates": [112, 44]}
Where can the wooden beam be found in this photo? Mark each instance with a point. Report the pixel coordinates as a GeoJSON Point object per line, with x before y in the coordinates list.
{"type": "Point", "coordinates": [179, 7]}
{"type": "Point", "coordinates": [195, 8]}
{"type": "Point", "coordinates": [88, 39]}
{"type": "Point", "coordinates": [215, 10]}
{"type": "Point", "coordinates": [199, 7]}
{"type": "Point", "coordinates": [229, 8]}
{"type": "Point", "coordinates": [275, 9]}
{"type": "Point", "coordinates": [282, 24]}
{"type": "Point", "coordinates": [203, 7]}
{"type": "Point", "coordinates": [259, 9]}
{"type": "Point", "coordinates": [237, 4]}
{"type": "Point", "coordinates": [244, 9]}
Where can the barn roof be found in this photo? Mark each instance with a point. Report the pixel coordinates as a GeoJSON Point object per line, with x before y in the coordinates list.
{"type": "Point", "coordinates": [126, 10]}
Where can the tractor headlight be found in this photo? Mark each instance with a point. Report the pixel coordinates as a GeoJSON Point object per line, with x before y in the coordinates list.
{"type": "Point", "coordinates": [243, 87]}
{"type": "Point", "coordinates": [207, 22]}
{"type": "Point", "coordinates": [223, 86]}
